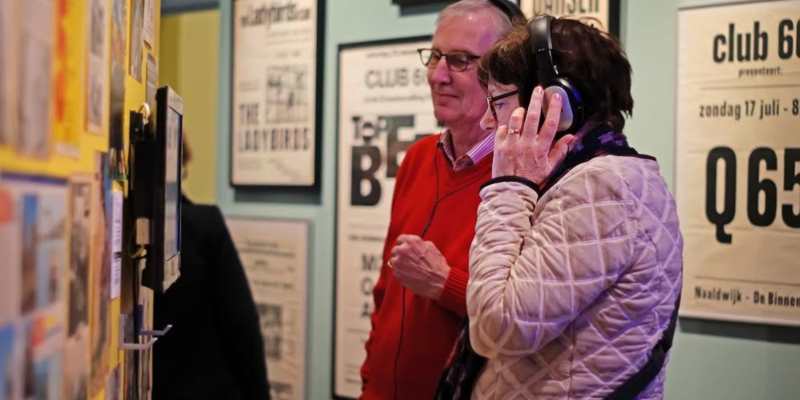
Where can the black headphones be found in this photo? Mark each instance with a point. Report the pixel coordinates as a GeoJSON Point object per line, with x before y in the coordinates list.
{"type": "Point", "coordinates": [572, 105]}
{"type": "Point", "coordinates": [511, 10]}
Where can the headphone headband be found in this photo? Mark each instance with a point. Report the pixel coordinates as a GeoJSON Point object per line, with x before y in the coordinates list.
{"type": "Point", "coordinates": [572, 106]}
{"type": "Point", "coordinates": [542, 46]}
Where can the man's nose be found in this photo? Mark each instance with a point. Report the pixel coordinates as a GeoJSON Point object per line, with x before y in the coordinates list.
{"type": "Point", "coordinates": [439, 73]}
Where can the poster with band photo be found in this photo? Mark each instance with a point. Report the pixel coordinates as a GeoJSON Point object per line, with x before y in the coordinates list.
{"type": "Point", "coordinates": [737, 161]}
{"type": "Point", "coordinates": [384, 107]}
{"type": "Point", "coordinates": [606, 12]}
{"type": "Point", "coordinates": [274, 93]}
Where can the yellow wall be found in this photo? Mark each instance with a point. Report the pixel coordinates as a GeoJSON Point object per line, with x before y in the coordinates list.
{"type": "Point", "coordinates": [72, 147]}
{"type": "Point", "coordinates": [189, 63]}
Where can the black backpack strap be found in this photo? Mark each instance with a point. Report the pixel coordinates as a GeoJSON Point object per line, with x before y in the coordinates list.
{"type": "Point", "coordinates": [637, 383]}
{"type": "Point", "coordinates": [465, 365]}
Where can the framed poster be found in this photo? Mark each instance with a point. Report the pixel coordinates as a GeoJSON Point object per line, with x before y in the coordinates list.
{"type": "Point", "coordinates": [274, 254]}
{"type": "Point", "coordinates": [606, 12]}
{"type": "Point", "coordinates": [274, 93]}
{"type": "Point", "coordinates": [384, 107]}
{"type": "Point", "coordinates": [738, 161]}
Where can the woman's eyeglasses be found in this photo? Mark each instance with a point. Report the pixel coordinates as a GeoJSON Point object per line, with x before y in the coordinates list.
{"type": "Point", "coordinates": [491, 99]}
{"type": "Point", "coordinates": [456, 61]}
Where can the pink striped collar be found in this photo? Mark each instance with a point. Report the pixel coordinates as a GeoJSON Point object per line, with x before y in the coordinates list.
{"type": "Point", "coordinates": [473, 156]}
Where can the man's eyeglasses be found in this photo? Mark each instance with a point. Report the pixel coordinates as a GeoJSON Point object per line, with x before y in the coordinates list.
{"type": "Point", "coordinates": [491, 99]}
{"type": "Point", "coordinates": [456, 61]}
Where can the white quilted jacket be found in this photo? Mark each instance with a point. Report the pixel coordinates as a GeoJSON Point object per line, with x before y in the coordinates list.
{"type": "Point", "coordinates": [569, 293]}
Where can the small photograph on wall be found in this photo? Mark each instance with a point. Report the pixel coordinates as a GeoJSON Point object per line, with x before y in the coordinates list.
{"type": "Point", "coordinates": [10, 367]}
{"type": "Point", "coordinates": [148, 29]}
{"type": "Point", "coordinates": [33, 233]}
{"type": "Point", "coordinates": [43, 365]}
{"type": "Point", "coordinates": [68, 75]}
{"type": "Point", "coordinates": [80, 229]}
{"type": "Point", "coordinates": [97, 66]}
{"type": "Point", "coordinates": [76, 348]}
{"type": "Point", "coordinates": [29, 205]}
{"type": "Point", "coordinates": [100, 278]}
{"type": "Point", "coordinates": [152, 81]}
{"type": "Point", "coordinates": [271, 329]}
{"type": "Point", "coordinates": [35, 76]}
{"type": "Point", "coordinates": [117, 90]}
{"type": "Point", "coordinates": [113, 385]}
{"type": "Point", "coordinates": [76, 360]}
{"type": "Point", "coordinates": [9, 78]}
{"type": "Point", "coordinates": [43, 224]}
{"type": "Point", "coordinates": [51, 248]}
{"type": "Point", "coordinates": [137, 43]}
{"type": "Point", "coordinates": [11, 249]}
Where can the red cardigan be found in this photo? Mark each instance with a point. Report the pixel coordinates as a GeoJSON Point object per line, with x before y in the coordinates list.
{"type": "Point", "coordinates": [409, 343]}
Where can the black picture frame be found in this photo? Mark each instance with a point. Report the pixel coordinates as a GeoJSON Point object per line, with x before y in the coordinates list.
{"type": "Point", "coordinates": [319, 66]}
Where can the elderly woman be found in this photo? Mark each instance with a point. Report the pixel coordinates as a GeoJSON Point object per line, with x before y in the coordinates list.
{"type": "Point", "coordinates": [575, 269]}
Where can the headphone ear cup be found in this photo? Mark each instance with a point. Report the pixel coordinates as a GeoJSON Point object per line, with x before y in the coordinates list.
{"type": "Point", "coordinates": [572, 109]}
{"type": "Point", "coordinates": [567, 119]}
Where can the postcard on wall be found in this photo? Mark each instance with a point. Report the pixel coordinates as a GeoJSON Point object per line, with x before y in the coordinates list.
{"type": "Point", "coordinates": [9, 68]}
{"type": "Point", "coordinates": [116, 242]}
{"type": "Point", "coordinates": [99, 292]}
{"type": "Point", "coordinates": [67, 101]}
{"type": "Point", "coordinates": [152, 81]}
{"type": "Point", "coordinates": [35, 68]}
{"type": "Point", "coordinates": [148, 30]}
{"type": "Point", "coordinates": [33, 229]}
{"type": "Point", "coordinates": [97, 60]}
{"type": "Point", "coordinates": [137, 44]}
{"type": "Point", "coordinates": [79, 249]}
{"type": "Point", "coordinates": [118, 70]}
{"type": "Point", "coordinates": [41, 209]}
{"type": "Point", "coordinates": [113, 386]}
{"type": "Point", "coordinates": [11, 249]}
{"type": "Point", "coordinates": [76, 347]}
{"type": "Point", "coordinates": [11, 353]}
{"type": "Point", "coordinates": [274, 256]}
{"type": "Point", "coordinates": [43, 364]}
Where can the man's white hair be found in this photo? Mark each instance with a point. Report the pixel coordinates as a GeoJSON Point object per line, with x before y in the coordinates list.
{"type": "Point", "coordinates": [465, 7]}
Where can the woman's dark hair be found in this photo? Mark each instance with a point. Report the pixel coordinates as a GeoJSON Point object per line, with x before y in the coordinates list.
{"type": "Point", "coordinates": [590, 59]}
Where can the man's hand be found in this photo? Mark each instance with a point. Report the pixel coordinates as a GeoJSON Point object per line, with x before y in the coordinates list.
{"type": "Point", "coordinates": [419, 266]}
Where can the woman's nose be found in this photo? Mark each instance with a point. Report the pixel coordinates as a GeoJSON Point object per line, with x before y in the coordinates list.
{"type": "Point", "coordinates": [487, 121]}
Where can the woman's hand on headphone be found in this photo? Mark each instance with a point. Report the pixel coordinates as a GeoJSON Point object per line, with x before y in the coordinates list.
{"type": "Point", "coordinates": [525, 150]}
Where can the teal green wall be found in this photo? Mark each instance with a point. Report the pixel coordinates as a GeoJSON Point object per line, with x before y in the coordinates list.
{"type": "Point", "coordinates": [711, 360]}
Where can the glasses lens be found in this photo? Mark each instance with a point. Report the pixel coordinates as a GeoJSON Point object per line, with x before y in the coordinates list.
{"type": "Point", "coordinates": [425, 55]}
{"type": "Point", "coordinates": [458, 61]}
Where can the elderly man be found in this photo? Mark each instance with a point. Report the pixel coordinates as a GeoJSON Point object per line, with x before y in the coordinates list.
{"type": "Point", "coordinates": [420, 295]}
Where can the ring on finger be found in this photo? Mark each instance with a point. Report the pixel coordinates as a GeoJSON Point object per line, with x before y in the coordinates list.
{"type": "Point", "coordinates": [513, 131]}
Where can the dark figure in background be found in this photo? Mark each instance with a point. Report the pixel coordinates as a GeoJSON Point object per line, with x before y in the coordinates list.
{"type": "Point", "coordinates": [215, 349]}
